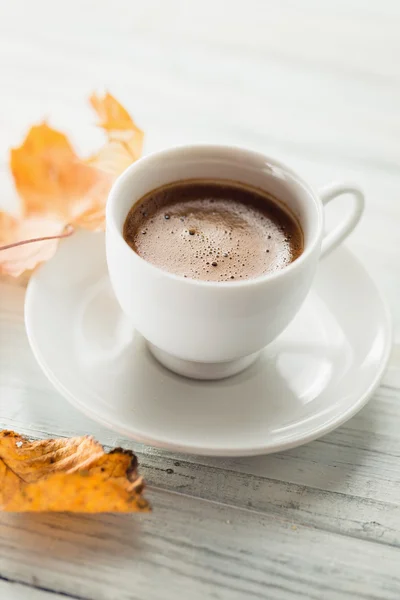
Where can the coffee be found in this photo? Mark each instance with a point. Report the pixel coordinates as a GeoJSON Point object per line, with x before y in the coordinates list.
{"type": "Point", "coordinates": [213, 230]}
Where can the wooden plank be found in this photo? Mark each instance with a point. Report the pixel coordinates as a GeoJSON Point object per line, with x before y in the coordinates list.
{"type": "Point", "coordinates": [10, 590]}
{"type": "Point", "coordinates": [193, 549]}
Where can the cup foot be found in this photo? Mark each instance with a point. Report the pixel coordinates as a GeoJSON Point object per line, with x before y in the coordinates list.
{"type": "Point", "coordinates": [200, 370]}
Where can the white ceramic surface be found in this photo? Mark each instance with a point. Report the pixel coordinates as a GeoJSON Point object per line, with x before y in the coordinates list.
{"type": "Point", "coordinates": [315, 376]}
{"type": "Point", "coordinates": [204, 329]}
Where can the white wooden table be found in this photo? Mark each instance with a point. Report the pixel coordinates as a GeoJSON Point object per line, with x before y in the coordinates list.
{"type": "Point", "coordinates": [316, 83]}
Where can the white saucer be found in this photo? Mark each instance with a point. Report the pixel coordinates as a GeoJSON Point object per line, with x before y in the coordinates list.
{"type": "Point", "coordinates": [318, 374]}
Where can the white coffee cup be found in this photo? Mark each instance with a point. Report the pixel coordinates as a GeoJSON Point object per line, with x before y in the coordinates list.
{"type": "Point", "coordinates": [210, 330]}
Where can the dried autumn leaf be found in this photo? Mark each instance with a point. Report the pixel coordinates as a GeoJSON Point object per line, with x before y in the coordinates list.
{"type": "Point", "coordinates": [51, 179]}
{"type": "Point", "coordinates": [125, 139]}
{"type": "Point", "coordinates": [73, 474]}
{"type": "Point", "coordinates": [115, 120]}
{"type": "Point", "coordinates": [16, 260]}
{"type": "Point", "coordinates": [58, 189]}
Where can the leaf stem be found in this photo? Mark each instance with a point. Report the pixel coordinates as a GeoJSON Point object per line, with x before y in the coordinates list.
{"type": "Point", "coordinates": [69, 231]}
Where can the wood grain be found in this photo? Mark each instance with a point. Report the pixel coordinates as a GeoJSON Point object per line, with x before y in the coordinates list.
{"type": "Point", "coordinates": [196, 549]}
{"type": "Point", "coordinates": [10, 590]}
{"type": "Point", "coordinates": [316, 84]}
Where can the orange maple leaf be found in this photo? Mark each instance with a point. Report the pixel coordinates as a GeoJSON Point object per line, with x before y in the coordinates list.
{"type": "Point", "coordinates": [73, 474]}
{"type": "Point", "coordinates": [125, 139]}
{"type": "Point", "coordinates": [60, 191]}
{"type": "Point", "coordinates": [14, 260]}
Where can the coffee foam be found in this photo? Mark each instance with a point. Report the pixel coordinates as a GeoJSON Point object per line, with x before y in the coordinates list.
{"type": "Point", "coordinates": [213, 231]}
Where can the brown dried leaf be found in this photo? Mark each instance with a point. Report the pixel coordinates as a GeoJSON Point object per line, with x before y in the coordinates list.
{"type": "Point", "coordinates": [73, 474]}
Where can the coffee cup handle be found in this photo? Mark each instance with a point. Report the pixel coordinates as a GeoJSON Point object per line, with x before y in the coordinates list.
{"type": "Point", "coordinates": [333, 238]}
